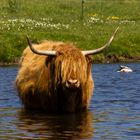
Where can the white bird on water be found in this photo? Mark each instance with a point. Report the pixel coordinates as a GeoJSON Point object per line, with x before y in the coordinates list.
{"type": "Point", "coordinates": [125, 69]}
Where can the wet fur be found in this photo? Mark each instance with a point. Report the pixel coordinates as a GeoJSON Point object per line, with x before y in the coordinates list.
{"type": "Point", "coordinates": [41, 80]}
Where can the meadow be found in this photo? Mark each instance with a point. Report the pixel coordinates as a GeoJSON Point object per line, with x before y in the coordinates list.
{"type": "Point", "coordinates": [89, 27]}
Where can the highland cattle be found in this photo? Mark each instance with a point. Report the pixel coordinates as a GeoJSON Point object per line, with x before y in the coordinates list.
{"type": "Point", "coordinates": [56, 76]}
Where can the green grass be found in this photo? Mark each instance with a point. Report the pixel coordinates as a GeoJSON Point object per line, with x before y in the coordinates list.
{"type": "Point", "coordinates": [61, 20]}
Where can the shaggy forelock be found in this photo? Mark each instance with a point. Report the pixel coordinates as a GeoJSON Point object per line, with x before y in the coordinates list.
{"type": "Point", "coordinates": [72, 64]}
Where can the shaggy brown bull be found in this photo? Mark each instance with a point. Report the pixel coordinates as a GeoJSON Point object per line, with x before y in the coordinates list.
{"type": "Point", "coordinates": [56, 76]}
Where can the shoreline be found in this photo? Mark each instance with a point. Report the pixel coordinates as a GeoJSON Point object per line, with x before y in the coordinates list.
{"type": "Point", "coordinates": [117, 59]}
{"type": "Point", "coordinates": [107, 60]}
{"type": "Point", "coordinates": [5, 64]}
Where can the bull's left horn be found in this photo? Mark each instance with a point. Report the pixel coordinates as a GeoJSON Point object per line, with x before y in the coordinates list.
{"type": "Point", "coordinates": [99, 50]}
{"type": "Point", "coordinates": [40, 52]}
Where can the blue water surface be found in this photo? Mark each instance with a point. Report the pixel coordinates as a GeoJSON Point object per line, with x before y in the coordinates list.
{"type": "Point", "coordinates": [114, 112]}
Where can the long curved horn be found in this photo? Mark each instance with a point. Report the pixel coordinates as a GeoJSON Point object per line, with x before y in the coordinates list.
{"type": "Point", "coordinates": [99, 50]}
{"type": "Point", "coordinates": [39, 52]}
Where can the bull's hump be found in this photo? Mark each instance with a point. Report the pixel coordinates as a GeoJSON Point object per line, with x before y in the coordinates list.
{"type": "Point", "coordinates": [69, 50]}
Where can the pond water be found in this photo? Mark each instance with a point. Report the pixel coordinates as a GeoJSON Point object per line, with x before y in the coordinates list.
{"type": "Point", "coordinates": [114, 112]}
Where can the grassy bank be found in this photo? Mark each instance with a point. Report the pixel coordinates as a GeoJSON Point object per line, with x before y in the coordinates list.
{"type": "Point", "coordinates": [63, 20]}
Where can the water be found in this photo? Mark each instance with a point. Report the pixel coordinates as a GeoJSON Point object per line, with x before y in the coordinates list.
{"type": "Point", "coordinates": [114, 112]}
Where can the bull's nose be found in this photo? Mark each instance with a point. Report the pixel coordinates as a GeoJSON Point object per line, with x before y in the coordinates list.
{"type": "Point", "coordinates": [72, 83]}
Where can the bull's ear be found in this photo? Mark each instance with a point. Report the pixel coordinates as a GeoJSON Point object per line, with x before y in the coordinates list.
{"type": "Point", "coordinates": [89, 59]}
{"type": "Point", "coordinates": [48, 60]}
{"type": "Point", "coordinates": [40, 52]}
{"type": "Point", "coordinates": [99, 50]}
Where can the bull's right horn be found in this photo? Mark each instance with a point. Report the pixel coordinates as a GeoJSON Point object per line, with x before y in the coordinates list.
{"type": "Point", "coordinates": [99, 50]}
{"type": "Point", "coordinates": [40, 52]}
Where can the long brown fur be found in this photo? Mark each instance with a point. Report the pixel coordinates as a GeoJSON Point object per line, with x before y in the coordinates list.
{"type": "Point", "coordinates": [41, 79]}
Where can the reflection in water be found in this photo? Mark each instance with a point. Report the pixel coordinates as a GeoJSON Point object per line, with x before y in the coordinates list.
{"type": "Point", "coordinates": [72, 126]}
